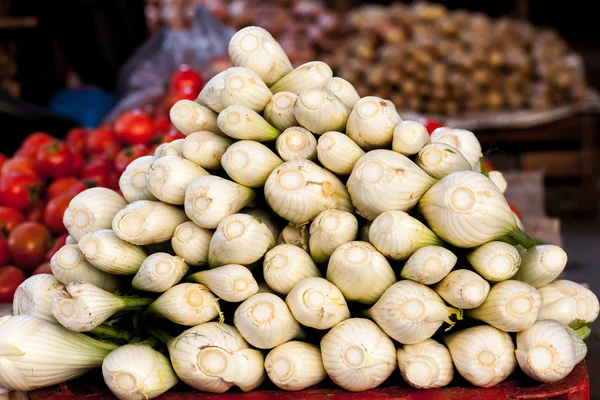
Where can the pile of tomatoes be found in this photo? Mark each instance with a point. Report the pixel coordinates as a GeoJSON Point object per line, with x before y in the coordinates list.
{"type": "Point", "coordinates": [39, 181]}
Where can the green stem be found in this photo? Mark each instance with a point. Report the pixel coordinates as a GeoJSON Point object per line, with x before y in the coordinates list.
{"type": "Point", "coordinates": [158, 334]}
{"type": "Point", "coordinates": [584, 332]}
{"type": "Point", "coordinates": [152, 342]}
{"type": "Point", "coordinates": [522, 238]}
{"type": "Point", "coordinates": [135, 303]}
{"type": "Point", "coordinates": [192, 277]}
{"type": "Point", "coordinates": [109, 333]}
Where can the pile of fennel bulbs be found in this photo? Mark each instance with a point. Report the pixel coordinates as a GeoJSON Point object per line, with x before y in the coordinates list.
{"type": "Point", "coordinates": [297, 232]}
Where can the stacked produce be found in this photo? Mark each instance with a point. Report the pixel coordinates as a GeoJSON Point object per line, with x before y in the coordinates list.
{"type": "Point", "coordinates": [39, 181]}
{"type": "Point", "coordinates": [297, 232]}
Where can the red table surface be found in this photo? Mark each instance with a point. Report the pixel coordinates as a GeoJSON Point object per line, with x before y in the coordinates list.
{"type": "Point", "coordinates": [574, 387]}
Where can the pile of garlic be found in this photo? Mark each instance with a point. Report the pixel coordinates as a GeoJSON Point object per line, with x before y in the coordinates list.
{"type": "Point", "coordinates": [345, 241]}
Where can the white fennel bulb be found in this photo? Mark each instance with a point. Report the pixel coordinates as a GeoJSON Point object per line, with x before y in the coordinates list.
{"type": "Point", "coordinates": [296, 142]}
{"type": "Point", "coordinates": [410, 312]}
{"type": "Point", "coordinates": [330, 230]}
{"type": "Point", "coordinates": [409, 138]}
{"type": "Point", "coordinates": [133, 183]}
{"type": "Point", "coordinates": [463, 289]}
{"type": "Point", "coordinates": [232, 282]}
{"type": "Point", "coordinates": [285, 265]}
{"type": "Point", "coordinates": [510, 305]}
{"type": "Point", "coordinates": [313, 73]}
{"type": "Point", "coordinates": [297, 236]}
{"type": "Point", "coordinates": [338, 153]}
{"type": "Point", "coordinates": [466, 209]}
{"type": "Point", "coordinates": [568, 302]}
{"type": "Point", "coordinates": [483, 355]}
{"type": "Point", "coordinates": [159, 272]}
{"type": "Point", "coordinates": [37, 353]}
{"type": "Point", "coordinates": [425, 365]}
{"type": "Point", "coordinates": [360, 272]}
{"type": "Point", "coordinates": [343, 90]}
{"type": "Point", "coordinates": [68, 265]}
{"type": "Point", "coordinates": [541, 265]}
{"type": "Point", "coordinates": [265, 321]}
{"type": "Point", "coordinates": [372, 122]}
{"type": "Point", "coordinates": [34, 296]}
{"type": "Point", "coordinates": [319, 110]}
{"type": "Point", "coordinates": [138, 372]}
{"type": "Point", "coordinates": [498, 179]}
{"type": "Point", "coordinates": [205, 149]}
{"type": "Point", "coordinates": [441, 159]}
{"type": "Point", "coordinates": [249, 163]}
{"type": "Point", "coordinates": [186, 304]}
{"type": "Point", "coordinates": [107, 252]}
{"type": "Point", "coordinates": [429, 265]}
{"type": "Point", "coordinates": [298, 190]}
{"type": "Point", "coordinates": [243, 123]}
{"type": "Point", "coordinates": [462, 140]}
{"type": "Point", "coordinates": [495, 261]}
{"type": "Point", "coordinates": [191, 243]}
{"type": "Point", "coordinates": [243, 86]}
{"type": "Point", "coordinates": [383, 180]}
{"type": "Point", "coordinates": [397, 235]}
{"type": "Point", "coordinates": [295, 366]}
{"type": "Point", "coordinates": [266, 217]}
{"type": "Point", "coordinates": [189, 117]}
{"type": "Point", "coordinates": [317, 303]}
{"type": "Point", "coordinates": [169, 176]}
{"type": "Point", "coordinates": [210, 95]}
{"type": "Point", "coordinates": [279, 112]}
{"type": "Point", "coordinates": [358, 355]}
{"type": "Point", "coordinates": [172, 149]}
{"type": "Point", "coordinates": [92, 210]}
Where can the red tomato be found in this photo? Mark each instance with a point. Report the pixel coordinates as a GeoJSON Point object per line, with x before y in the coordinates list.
{"type": "Point", "coordinates": [4, 251]}
{"type": "Point", "coordinates": [430, 124]}
{"type": "Point", "coordinates": [58, 243]}
{"type": "Point", "coordinates": [19, 165]}
{"type": "Point", "coordinates": [128, 154]}
{"type": "Point", "coordinates": [99, 140]}
{"type": "Point", "coordinates": [66, 184]}
{"type": "Point", "coordinates": [54, 160]}
{"type": "Point", "coordinates": [514, 209]}
{"type": "Point", "coordinates": [53, 214]}
{"type": "Point", "coordinates": [75, 139]}
{"type": "Point", "coordinates": [3, 159]}
{"type": "Point", "coordinates": [161, 124]}
{"type": "Point", "coordinates": [36, 140]}
{"type": "Point", "coordinates": [173, 134]}
{"type": "Point", "coordinates": [43, 269]}
{"type": "Point", "coordinates": [20, 191]}
{"type": "Point", "coordinates": [28, 244]}
{"type": "Point", "coordinates": [134, 127]}
{"type": "Point", "coordinates": [98, 171]}
{"type": "Point", "coordinates": [185, 77]}
{"type": "Point", "coordinates": [9, 218]}
{"type": "Point", "coordinates": [77, 164]}
{"type": "Point", "coordinates": [487, 165]}
{"type": "Point", "coordinates": [10, 279]}
{"type": "Point", "coordinates": [36, 214]}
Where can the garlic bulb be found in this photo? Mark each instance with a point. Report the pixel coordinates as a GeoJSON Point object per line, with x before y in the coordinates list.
{"type": "Point", "coordinates": [299, 190]}
{"type": "Point", "coordinates": [249, 163]}
{"type": "Point", "coordinates": [186, 304]}
{"type": "Point", "coordinates": [265, 321]}
{"type": "Point", "coordinates": [495, 261]}
{"type": "Point", "coordinates": [138, 372]}
{"type": "Point", "coordinates": [92, 210]}
{"type": "Point", "coordinates": [440, 159]}
{"type": "Point", "coordinates": [209, 199]}
{"type": "Point", "coordinates": [295, 366]}
{"type": "Point", "coordinates": [425, 365]}
{"type": "Point", "coordinates": [313, 73]}
{"type": "Point", "coordinates": [397, 235]}
{"type": "Point", "coordinates": [210, 97]}
{"type": "Point", "coordinates": [296, 142]}
{"type": "Point", "coordinates": [409, 138]}
{"type": "Point", "coordinates": [483, 355]}
{"type": "Point", "coordinates": [159, 272]}
{"type": "Point", "coordinates": [429, 265]}
{"type": "Point", "coordinates": [191, 243]}
{"type": "Point", "coordinates": [372, 122]}
{"type": "Point", "coordinates": [317, 303]}
{"type": "Point", "coordinates": [286, 265]}
{"type": "Point", "coordinates": [81, 306]}
{"type": "Point", "coordinates": [205, 149]}
{"type": "Point", "coordinates": [411, 312]}
{"type": "Point", "coordinates": [146, 222]}
{"type": "Point", "coordinates": [383, 180]}
{"type": "Point", "coordinates": [213, 357]}
{"type": "Point", "coordinates": [232, 282]}
{"type": "Point", "coordinates": [510, 305]}
{"type": "Point", "coordinates": [107, 252]}
{"type": "Point", "coordinates": [568, 302]}
{"type": "Point", "coordinates": [279, 112]}
{"type": "Point", "coordinates": [68, 265]}
{"type": "Point", "coordinates": [360, 272]}
{"type": "Point", "coordinates": [133, 180]}
{"type": "Point", "coordinates": [189, 117]}
{"type": "Point", "coordinates": [466, 209]}
{"type": "Point", "coordinates": [254, 48]}
{"type": "Point", "coordinates": [338, 153]}
{"type": "Point", "coordinates": [330, 230]}
{"type": "Point", "coordinates": [37, 353]}
{"type": "Point", "coordinates": [244, 87]}
{"type": "Point", "coordinates": [297, 236]}
{"type": "Point", "coordinates": [357, 355]}
{"type": "Point", "coordinates": [243, 123]}
{"type": "Point", "coordinates": [319, 111]}
{"type": "Point", "coordinates": [547, 351]}
{"type": "Point", "coordinates": [168, 177]}
{"type": "Point", "coordinates": [463, 289]}
{"type": "Point", "coordinates": [239, 239]}
{"type": "Point", "coordinates": [461, 139]}
{"type": "Point", "coordinates": [541, 265]}
{"type": "Point", "coordinates": [34, 296]}
{"type": "Point", "coordinates": [343, 90]}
